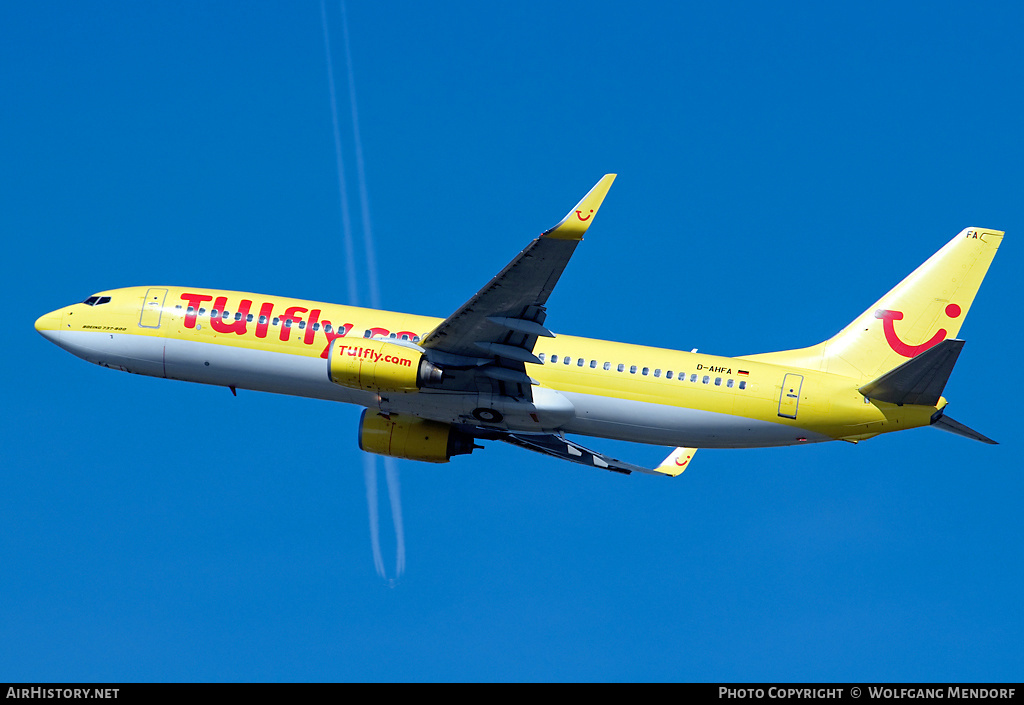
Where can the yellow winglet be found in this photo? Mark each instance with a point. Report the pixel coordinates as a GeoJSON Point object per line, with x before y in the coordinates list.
{"type": "Point", "coordinates": [677, 461]}
{"type": "Point", "coordinates": [579, 219]}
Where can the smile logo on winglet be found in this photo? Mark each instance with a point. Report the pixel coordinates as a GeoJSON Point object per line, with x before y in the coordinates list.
{"type": "Point", "coordinates": [905, 349]}
{"type": "Point", "coordinates": [579, 214]}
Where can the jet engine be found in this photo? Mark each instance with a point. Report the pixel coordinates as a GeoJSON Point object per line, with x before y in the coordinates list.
{"type": "Point", "coordinates": [413, 438]}
{"type": "Point", "coordinates": [379, 366]}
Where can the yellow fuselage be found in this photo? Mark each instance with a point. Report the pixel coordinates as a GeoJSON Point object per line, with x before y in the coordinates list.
{"type": "Point", "coordinates": [587, 386]}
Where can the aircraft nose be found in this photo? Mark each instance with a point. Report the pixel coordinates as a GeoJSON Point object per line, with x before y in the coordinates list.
{"type": "Point", "coordinates": [49, 324]}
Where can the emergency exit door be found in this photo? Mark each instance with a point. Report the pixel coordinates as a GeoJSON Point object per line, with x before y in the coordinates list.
{"type": "Point", "coordinates": [789, 400]}
{"type": "Point", "coordinates": [152, 308]}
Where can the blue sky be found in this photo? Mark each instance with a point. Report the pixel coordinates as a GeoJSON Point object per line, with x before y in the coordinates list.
{"type": "Point", "coordinates": [780, 167]}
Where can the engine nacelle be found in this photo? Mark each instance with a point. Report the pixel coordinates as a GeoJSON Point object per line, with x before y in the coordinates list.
{"type": "Point", "coordinates": [379, 366]}
{"type": "Point", "coordinates": [403, 436]}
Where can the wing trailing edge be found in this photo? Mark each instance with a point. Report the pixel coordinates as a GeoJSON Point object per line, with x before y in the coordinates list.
{"type": "Point", "coordinates": [560, 447]}
{"type": "Point", "coordinates": [500, 324]}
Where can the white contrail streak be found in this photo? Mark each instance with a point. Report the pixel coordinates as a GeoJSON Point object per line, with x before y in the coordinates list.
{"type": "Point", "coordinates": [371, 259]}
{"type": "Point", "coordinates": [390, 467]}
{"type": "Point", "coordinates": [370, 475]}
{"type": "Point", "coordinates": [350, 257]}
{"type": "Point", "coordinates": [369, 461]}
{"type": "Point", "coordinates": [395, 495]}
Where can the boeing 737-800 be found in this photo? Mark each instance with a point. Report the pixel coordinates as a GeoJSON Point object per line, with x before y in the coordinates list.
{"type": "Point", "coordinates": [492, 370]}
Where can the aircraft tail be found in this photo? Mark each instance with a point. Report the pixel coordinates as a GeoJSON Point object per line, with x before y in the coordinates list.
{"type": "Point", "coordinates": [926, 308]}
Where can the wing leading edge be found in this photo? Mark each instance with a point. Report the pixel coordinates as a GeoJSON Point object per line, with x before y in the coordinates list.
{"type": "Point", "coordinates": [494, 333]}
{"type": "Point", "coordinates": [491, 337]}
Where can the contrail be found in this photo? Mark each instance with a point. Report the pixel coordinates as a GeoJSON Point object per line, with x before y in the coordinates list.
{"type": "Point", "coordinates": [370, 476]}
{"type": "Point", "coordinates": [395, 495]}
{"type": "Point", "coordinates": [390, 467]}
{"type": "Point", "coordinates": [371, 259]}
{"type": "Point", "coordinates": [350, 258]}
{"type": "Point", "coordinates": [369, 461]}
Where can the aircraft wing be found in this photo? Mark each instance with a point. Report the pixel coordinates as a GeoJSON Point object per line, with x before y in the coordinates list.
{"type": "Point", "coordinates": [494, 333]}
{"type": "Point", "coordinates": [564, 449]}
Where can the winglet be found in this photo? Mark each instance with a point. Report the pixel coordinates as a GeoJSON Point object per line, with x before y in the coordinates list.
{"type": "Point", "coordinates": [677, 461]}
{"type": "Point", "coordinates": [579, 218]}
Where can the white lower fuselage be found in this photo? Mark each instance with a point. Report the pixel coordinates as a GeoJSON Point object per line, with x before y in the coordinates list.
{"type": "Point", "coordinates": [300, 375]}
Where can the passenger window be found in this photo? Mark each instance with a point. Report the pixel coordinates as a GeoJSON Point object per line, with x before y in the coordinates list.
{"type": "Point", "coordinates": [706, 379]}
{"type": "Point", "coordinates": [718, 381]}
{"type": "Point", "coordinates": [645, 371]}
{"type": "Point", "coordinates": [743, 384]}
{"type": "Point", "coordinates": [248, 318]}
{"type": "Point", "coordinates": [190, 310]}
{"type": "Point", "coordinates": [607, 366]}
{"type": "Point", "coordinates": [566, 360]}
{"type": "Point", "coordinates": [202, 311]}
{"type": "Point", "coordinates": [214, 313]}
{"type": "Point", "coordinates": [693, 377]}
{"type": "Point", "coordinates": [621, 367]}
{"type": "Point", "coordinates": [287, 323]}
{"type": "Point", "coordinates": [579, 363]}
{"type": "Point", "coordinates": [367, 333]}
{"type": "Point", "coordinates": [276, 320]}
{"type": "Point", "coordinates": [728, 383]}
{"type": "Point", "coordinates": [668, 375]}
{"type": "Point", "coordinates": [327, 326]}
{"type": "Point", "coordinates": [632, 369]}
{"type": "Point", "coordinates": [540, 356]}
{"type": "Point", "coordinates": [657, 373]}
{"type": "Point", "coordinates": [238, 316]}
{"type": "Point", "coordinates": [593, 364]}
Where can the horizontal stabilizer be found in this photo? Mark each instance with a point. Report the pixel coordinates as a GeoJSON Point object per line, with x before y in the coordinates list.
{"type": "Point", "coordinates": [948, 424]}
{"type": "Point", "coordinates": [919, 380]}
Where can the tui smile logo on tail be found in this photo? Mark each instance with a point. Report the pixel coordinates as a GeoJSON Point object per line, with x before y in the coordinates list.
{"type": "Point", "coordinates": [905, 349]}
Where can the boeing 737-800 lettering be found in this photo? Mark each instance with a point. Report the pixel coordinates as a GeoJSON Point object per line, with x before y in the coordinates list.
{"type": "Point", "coordinates": [493, 371]}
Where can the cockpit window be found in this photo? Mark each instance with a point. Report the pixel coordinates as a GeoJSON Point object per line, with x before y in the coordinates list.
{"type": "Point", "coordinates": [96, 300]}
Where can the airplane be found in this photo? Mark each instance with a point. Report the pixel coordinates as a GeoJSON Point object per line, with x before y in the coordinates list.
{"type": "Point", "coordinates": [492, 370]}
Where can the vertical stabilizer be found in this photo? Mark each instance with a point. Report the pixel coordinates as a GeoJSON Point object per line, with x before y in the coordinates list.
{"type": "Point", "coordinates": [927, 307]}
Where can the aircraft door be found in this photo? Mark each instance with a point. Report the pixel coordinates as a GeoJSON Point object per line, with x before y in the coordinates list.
{"type": "Point", "coordinates": [152, 308]}
{"type": "Point", "coordinates": [789, 400]}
